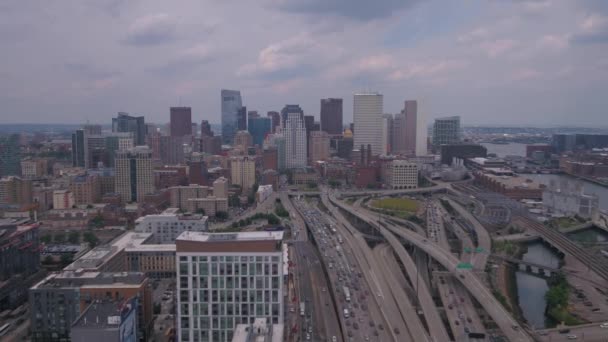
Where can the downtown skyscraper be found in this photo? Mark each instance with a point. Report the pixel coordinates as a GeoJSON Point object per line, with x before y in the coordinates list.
{"type": "Point", "coordinates": [446, 131]}
{"type": "Point", "coordinates": [10, 156]}
{"type": "Point", "coordinates": [331, 116]}
{"type": "Point", "coordinates": [181, 121]}
{"type": "Point", "coordinates": [134, 124]}
{"type": "Point", "coordinates": [367, 113]}
{"type": "Point", "coordinates": [231, 105]}
{"type": "Point", "coordinates": [295, 141]}
{"type": "Point", "coordinates": [134, 177]}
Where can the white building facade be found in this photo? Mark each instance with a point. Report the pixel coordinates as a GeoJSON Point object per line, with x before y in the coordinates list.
{"type": "Point", "coordinates": [166, 227]}
{"type": "Point", "coordinates": [568, 199]}
{"type": "Point", "coordinates": [227, 279]}
{"type": "Point", "coordinates": [402, 174]}
{"type": "Point", "coordinates": [367, 114]}
{"type": "Point", "coordinates": [295, 141]}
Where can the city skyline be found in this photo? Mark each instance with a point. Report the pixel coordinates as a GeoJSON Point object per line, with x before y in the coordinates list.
{"type": "Point", "coordinates": [474, 63]}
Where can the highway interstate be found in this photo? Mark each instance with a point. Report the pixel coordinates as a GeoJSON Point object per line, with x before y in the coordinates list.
{"type": "Point", "coordinates": [509, 326]}
{"type": "Point", "coordinates": [347, 266]}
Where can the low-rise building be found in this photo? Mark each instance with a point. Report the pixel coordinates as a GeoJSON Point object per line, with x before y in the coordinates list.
{"type": "Point", "coordinates": [305, 176]}
{"type": "Point", "coordinates": [461, 151]}
{"type": "Point", "coordinates": [63, 199]}
{"type": "Point", "coordinates": [86, 189]}
{"type": "Point", "coordinates": [34, 168]}
{"type": "Point", "coordinates": [110, 257]}
{"type": "Point", "coordinates": [15, 191]}
{"type": "Point", "coordinates": [402, 174]}
{"type": "Point", "coordinates": [515, 187]}
{"type": "Point", "coordinates": [568, 199]}
{"type": "Point", "coordinates": [210, 205]}
{"type": "Point", "coordinates": [107, 320]}
{"type": "Point", "coordinates": [168, 225]}
{"type": "Point", "coordinates": [181, 194]}
{"type": "Point", "coordinates": [60, 299]}
{"type": "Point", "coordinates": [264, 191]}
{"type": "Point", "coordinates": [19, 260]}
{"type": "Point", "coordinates": [258, 331]}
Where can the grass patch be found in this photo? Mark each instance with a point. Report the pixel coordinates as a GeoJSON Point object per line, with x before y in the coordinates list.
{"type": "Point", "coordinates": [565, 222]}
{"type": "Point", "coordinates": [400, 204]}
{"type": "Point", "coordinates": [557, 301]}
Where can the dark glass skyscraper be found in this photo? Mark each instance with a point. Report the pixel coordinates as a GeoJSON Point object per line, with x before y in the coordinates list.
{"type": "Point", "coordinates": [241, 119]}
{"type": "Point", "coordinates": [276, 120]}
{"type": "Point", "coordinates": [78, 148]}
{"type": "Point", "coordinates": [331, 116]}
{"type": "Point", "coordinates": [290, 109]}
{"type": "Point", "coordinates": [259, 128]}
{"type": "Point", "coordinates": [10, 156]}
{"type": "Point", "coordinates": [231, 104]}
{"type": "Point", "coordinates": [181, 121]}
{"type": "Point", "coordinates": [134, 124]}
{"type": "Point", "coordinates": [206, 128]}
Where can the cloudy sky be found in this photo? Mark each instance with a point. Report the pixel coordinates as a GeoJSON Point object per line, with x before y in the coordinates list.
{"type": "Point", "coordinates": [508, 62]}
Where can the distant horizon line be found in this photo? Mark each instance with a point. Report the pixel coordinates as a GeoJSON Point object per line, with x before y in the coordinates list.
{"type": "Point", "coordinates": [219, 124]}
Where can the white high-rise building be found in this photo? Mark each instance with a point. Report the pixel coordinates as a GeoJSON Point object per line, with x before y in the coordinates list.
{"type": "Point", "coordinates": [227, 279]}
{"type": "Point", "coordinates": [295, 141]}
{"type": "Point", "coordinates": [367, 114]}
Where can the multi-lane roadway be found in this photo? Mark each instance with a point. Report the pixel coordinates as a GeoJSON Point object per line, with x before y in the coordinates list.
{"type": "Point", "coordinates": [510, 327]}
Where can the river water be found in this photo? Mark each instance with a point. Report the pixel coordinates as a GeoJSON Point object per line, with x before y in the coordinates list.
{"type": "Point", "coordinates": [531, 289]}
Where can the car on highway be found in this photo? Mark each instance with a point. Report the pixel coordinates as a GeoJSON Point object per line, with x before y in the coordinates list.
{"type": "Point", "coordinates": [334, 339]}
{"type": "Point", "coordinates": [604, 325]}
{"type": "Point", "coordinates": [572, 337]}
{"type": "Point", "coordinates": [307, 337]}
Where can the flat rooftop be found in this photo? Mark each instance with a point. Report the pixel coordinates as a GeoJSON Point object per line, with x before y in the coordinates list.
{"type": "Point", "coordinates": [84, 279]}
{"type": "Point", "coordinates": [152, 248]}
{"type": "Point", "coordinates": [104, 315]}
{"type": "Point", "coordinates": [241, 242]}
{"type": "Point", "coordinates": [516, 182]}
{"type": "Point", "coordinates": [259, 331]}
{"type": "Point", "coordinates": [228, 237]}
{"type": "Point", "coordinates": [98, 256]}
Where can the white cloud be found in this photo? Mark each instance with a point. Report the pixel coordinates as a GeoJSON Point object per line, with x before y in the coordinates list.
{"type": "Point", "coordinates": [496, 48]}
{"type": "Point", "coordinates": [152, 29]}
{"type": "Point", "coordinates": [426, 69]}
{"type": "Point", "coordinates": [475, 35]}
{"type": "Point", "coordinates": [557, 42]}
{"type": "Point", "coordinates": [525, 74]}
{"type": "Point", "coordinates": [593, 30]}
